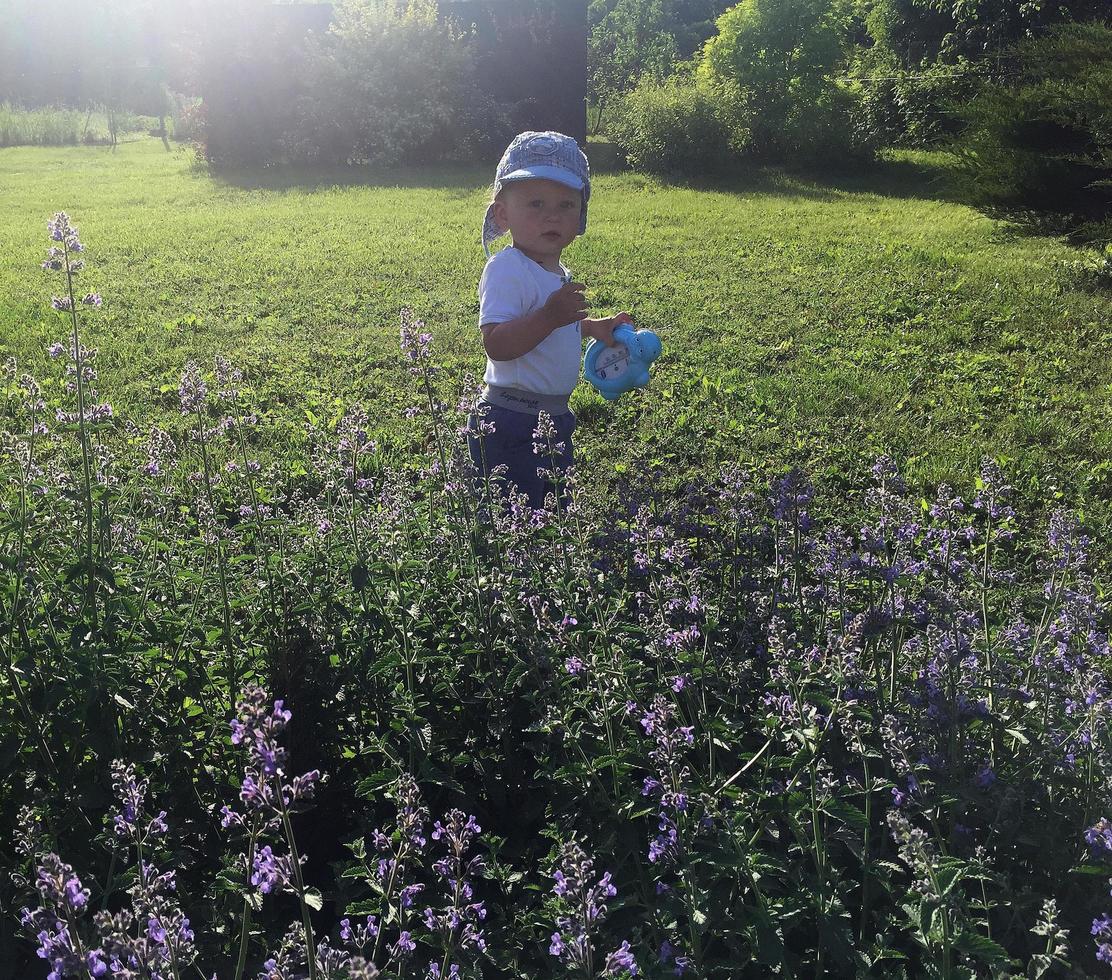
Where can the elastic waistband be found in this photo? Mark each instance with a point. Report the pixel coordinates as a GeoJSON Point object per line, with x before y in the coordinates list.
{"type": "Point", "coordinates": [526, 402]}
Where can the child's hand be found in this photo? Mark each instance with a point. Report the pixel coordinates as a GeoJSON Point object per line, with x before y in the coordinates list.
{"type": "Point", "coordinates": [603, 328]}
{"type": "Point", "coordinates": [567, 304]}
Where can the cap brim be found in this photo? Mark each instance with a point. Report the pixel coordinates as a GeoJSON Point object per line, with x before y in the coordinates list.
{"type": "Point", "coordinates": [558, 174]}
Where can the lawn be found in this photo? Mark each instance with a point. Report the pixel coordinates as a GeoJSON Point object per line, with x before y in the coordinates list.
{"type": "Point", "coordinates": [806, 320]}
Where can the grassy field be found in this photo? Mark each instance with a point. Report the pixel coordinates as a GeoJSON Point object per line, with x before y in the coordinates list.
{"type": "Point", "coordinates": [805, 321]}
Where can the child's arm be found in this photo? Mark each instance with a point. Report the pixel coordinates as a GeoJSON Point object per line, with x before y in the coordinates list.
{"type": "Point", "coordinates": [505, 341]}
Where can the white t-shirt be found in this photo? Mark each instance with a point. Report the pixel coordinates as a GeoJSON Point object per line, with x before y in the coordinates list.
{"type": "Point", "coordinates": [513, 285]}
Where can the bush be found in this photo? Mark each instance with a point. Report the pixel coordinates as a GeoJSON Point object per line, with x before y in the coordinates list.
{"type": "Point", "coordinates": [917, 106]}
{"type": "Point", "coordinates": [680, 127]}
{"type": "Point", "coordinates": [250, 76]}
{"type": "Point", "coordinates": [1038, 147]}
{"type": "Point", "coordinates": [782, 54]}
{"type": "Point", "coordinates": [388, 87]}
{"type": "Point", "coordinates": [187, 117]}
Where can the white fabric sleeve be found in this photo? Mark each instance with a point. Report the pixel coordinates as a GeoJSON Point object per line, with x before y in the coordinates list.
{"type": "Point", "coordinates": [502, 292]}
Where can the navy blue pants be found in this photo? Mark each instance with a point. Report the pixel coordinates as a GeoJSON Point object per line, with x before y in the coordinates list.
{"type": "Point", "coordinates": [511, 444]}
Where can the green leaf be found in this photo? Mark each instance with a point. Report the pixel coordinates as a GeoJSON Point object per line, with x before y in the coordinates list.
{"type": "Point", "coordinates": [1089, 869]}
{"type": "Point", "coordinates": [314, 899]}
{"type": "Point", "coordinates": [847, 813]}
{"type": "Point", "coordinates": [980, 946]}
{"type": "Point", "coordinates": [949, 873]}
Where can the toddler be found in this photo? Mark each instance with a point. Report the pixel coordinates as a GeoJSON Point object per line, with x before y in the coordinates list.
{"type": "Point", "coordinates": [532, 315]}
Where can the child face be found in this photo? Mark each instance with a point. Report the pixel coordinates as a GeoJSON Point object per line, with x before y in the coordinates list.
{"type": "Point", "coordinates": [542, 215]}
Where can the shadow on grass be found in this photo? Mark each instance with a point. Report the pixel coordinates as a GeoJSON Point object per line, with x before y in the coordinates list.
{"type": "Point", "coordinates": [462, 178]}
{"type": "Point", "coordinates": [922, 176]}
{"type": "Point", "coordinates": [931, 178]}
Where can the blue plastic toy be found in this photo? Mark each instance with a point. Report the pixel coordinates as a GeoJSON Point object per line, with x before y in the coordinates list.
{"type": "Point", "coordinates": [614, 370]}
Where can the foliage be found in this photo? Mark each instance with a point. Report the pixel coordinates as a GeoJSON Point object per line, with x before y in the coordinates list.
{"type": "Point", "coordinates": [782, 55]}
{"type": "Point", "coordinates": [919, 33]}
{"type": "Point", "coordinates": [186, 117]}
{"type": "Point", "coordinates": [914, 106]}
{"type": "Point", "coordinates": [392, 85]}
{"type": "Point", "coordinates": [114, 54]}
{"type": "Point", "coordinates": [1038, 147]}
{"type": "Point", "coordinates": [921, 59]}
{"type": "Point", "coordinates": [824, 745]}
{"type": "Point", "coordinates": [530, 58]}
{"type": "Point", "coordinates": [632, 41]}
{"type": "Point", "coordinates": [681, 128]}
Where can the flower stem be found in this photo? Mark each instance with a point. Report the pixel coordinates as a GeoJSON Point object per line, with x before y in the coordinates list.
{"type": "Point", "coordinates": [287, 827]}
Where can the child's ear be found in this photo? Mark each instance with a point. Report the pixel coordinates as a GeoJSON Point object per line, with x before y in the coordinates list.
{"type": "Point", "coordinates": [499, 215]}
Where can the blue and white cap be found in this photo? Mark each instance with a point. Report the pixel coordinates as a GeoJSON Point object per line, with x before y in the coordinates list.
{"type": "Point", "coordinates": [539, 156]}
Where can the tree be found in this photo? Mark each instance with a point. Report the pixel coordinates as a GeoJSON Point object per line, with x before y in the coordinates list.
{"type": "Point", "coordinates": [923, 31]}
{"type": "Point", "coordinates": [1039, 144]}
{"type": "Point", "coordinates": [635, 40]}
{"type": "Point", "coordinates": [781, 54]}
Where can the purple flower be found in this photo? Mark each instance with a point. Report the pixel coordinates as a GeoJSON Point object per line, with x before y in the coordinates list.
{"type": "Point", "coordinates": [192, 390]}
{"type": "Point", "coordinates": [404, 946]}
{"type": "Point", "coordinates": [1102, 933]}
{"type": "Point", "coordinates": [670, 954]}
{"type": "Point", "coordinates": [1099, 837]}
{"type": "Point", "coordinates": [270, 872]}
{"type": "Point", "coordinates": [620, 961]}
{"type": "Point", "coordinates": [985, 777]}
{"type": "Point", "coordinates": [585, 905]}
{"type": "Point", "coordinates": [58, 885]}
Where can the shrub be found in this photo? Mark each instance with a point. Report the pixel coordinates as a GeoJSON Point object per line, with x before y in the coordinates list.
{"type": "Point", "coordinates": [781, 54]}
{"type": "Point", "coordinates": [187, 117]}
{"type": "Point", "coordinates": [914, 106]}
{"type": "Point", "coordinates": [387, 87]}
{"type": "Point", "coordinates": [681, 127]}
{"type": "Point", "coordinates": [1038, 147]}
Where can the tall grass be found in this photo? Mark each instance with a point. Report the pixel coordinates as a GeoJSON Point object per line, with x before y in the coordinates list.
{"type": "Point", "coordinates": [60, 126]}
{"type": "Point", "coordinates": [39, 127]}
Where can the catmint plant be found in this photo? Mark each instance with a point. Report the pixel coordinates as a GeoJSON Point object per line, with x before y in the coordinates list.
{"type": "Point", "coordinates": [269, 797]}
{"type": "Point", "coordinates": [583, 912]}
{"type": "Point", "coordinates": [64, 257]}
{"type": "Point", "coordinates": [391, 876]}
{"type": "Point", "coordinates": [456, 926]}
{"type": "Point", "coordinates": [56, 923]}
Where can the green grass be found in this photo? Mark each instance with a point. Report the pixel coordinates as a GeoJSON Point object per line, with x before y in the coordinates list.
{"type": "Point", "coordinates": [812, 321]}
